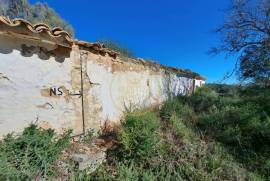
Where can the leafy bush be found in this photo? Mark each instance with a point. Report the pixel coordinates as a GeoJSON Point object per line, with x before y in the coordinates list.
{"type": "Point", "coordinates": [139, 135]}
{"type": "Point", "coordinates": [197, 159]}
{"type": "Point", "coordinates": [240, 123]}
{"type": "Point", "coordinates": [150, 149]}
{"type": "Point", "coordinates": [88, 136]}
{"type": "Point", "coordinates": [177, 107]}
{"type": "Point", "coordinates": [225, 90]}
{"type": "Point", "coordinates": [180, 129]}
{"type": "Point", "coordinates": [31, 154]}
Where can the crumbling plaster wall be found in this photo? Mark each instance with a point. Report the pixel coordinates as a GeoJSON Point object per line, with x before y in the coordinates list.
{"type": "Point", "coordinates": [111, 86]}
{"type": "Point", "coordinates": [27, 72]}
{"type": "Point", "coordinates": [117, 86]}
{"type": "Point", "coordinates": [199, 83]}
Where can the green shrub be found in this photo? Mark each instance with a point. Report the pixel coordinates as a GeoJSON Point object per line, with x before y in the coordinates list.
{"type": "Point", "coordinates": [194, 159]}
{"type": "Point", "coordinates": [180, 128]}
{"type": "Point", "coordinates": [170, 107]}
{"type": "Point", "coordinates": [239, 121]}
{"type": "Point", "coordinates": [201, 137]}
{"type": "Point", "coordinates": [204, 100]}
{"type": "Point", "coordinates": [138, 136]}
{"type": "Point", "coordinates": [31, 154]}
{"type": "Point", "coordinates": [177, 107]}
{"type": "Point", "coordinates": [241, 124]}
{"type": "Point", "coordinates": [225, 90]}
{"type": "Point", "coordinates": [89, 136]}
{"type": "Point", "coordinates": [179, 155]}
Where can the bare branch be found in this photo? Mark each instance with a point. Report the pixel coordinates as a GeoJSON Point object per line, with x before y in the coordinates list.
{"type": "Point", "coordinates": [246, 32]}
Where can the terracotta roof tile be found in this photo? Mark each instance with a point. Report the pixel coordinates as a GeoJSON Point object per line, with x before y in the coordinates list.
{"type": "Point", "coordinates": [37, 28]}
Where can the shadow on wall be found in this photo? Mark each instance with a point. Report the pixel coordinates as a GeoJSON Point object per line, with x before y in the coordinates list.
{"type": "Point", "coordinates": [59, 53]}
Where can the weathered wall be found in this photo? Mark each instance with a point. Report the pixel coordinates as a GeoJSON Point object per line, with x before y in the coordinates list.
{"type": "Point", "coordinates": [199, 83]}
{"type": "Point", "coordinates": [29, 69]}
{"type": "Point", "coordinates": [115, 86]}
{"type": "Point", "coordinates": [26, 75]}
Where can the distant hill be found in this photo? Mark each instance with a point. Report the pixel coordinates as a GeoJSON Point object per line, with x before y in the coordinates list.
{"type": "Point", "coordinates": [36, 13]}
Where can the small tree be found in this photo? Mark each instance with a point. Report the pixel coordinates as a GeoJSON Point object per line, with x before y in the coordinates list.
{"type": "Point", "coordinates": [246, 32]}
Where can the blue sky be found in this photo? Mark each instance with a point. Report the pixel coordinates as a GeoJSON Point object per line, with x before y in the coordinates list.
{"type": "Point", "coordinates": [173, 32]}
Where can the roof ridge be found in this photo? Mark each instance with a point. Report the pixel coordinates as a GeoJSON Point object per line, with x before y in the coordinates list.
{"type": "Point", "coordinates": [56, 32]}
{"type": "Point", "coordinates": [37, 28]}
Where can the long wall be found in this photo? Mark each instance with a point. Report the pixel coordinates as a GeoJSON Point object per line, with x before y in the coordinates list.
{"type": "Point", "coordinates": [41, 83]}
{"type": "Point", "coordinates": [118, 86]}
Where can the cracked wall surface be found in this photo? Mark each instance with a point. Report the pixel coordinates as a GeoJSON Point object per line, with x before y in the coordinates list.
{"type": "Point", "coordinates": [25, 82]}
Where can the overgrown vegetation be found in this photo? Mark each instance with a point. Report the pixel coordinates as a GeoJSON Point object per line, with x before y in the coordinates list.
{"type": "Point", "coordinates": [37, 13]}
{"type": "Point", "coordinates": [215, 134]}
{"type": "Point", "coordinates": [31, 155]}
{"type": "Point", "coordinates": [240, 122]}
{"type": "Point", "coordinates": [220, 132]}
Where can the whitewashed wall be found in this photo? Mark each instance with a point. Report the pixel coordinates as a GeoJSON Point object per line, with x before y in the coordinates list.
{"type": "Point", "coordinates": [120, 87]}
{"type": "Point", "coordinates": [199, 83]}
{"type": "Point", "coordinates": [111, 87]}
{"type": "Point", "coordinates": [24, 90]}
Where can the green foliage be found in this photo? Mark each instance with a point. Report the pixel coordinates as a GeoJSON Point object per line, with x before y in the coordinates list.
{"type": "Point", "coordinates": [202, 137]}
{"type": "Point", "coordinates": [180, 129]}
{"type": "Point", "coordinates": [176, 107]}
{"type": "Point", "coordinates": [245, 35]}
{"type": "Point", "coordinates": [199, 160]}
{"type": "Point", "coordinates": [37, 13]}
{"type": "Point", "coordinates": [240, 123]}
{"type": "Point", "coordinates": [225, 90]}
{"type": "Point", "coordinates": [138, 136]}
{"type": "Point", "coordinates": [168, 149]}
{"type": "Point", "coordinates": [89, 136]}
{"type": "Point", "coordinates": [125, 52]}
{"type": "Point", "coordinates": [31, 154]}
{"type": "Point", "coordinates": [255, 64]}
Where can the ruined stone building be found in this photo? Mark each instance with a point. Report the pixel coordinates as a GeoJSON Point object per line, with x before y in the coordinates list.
{"type": "Point", "coordinates": [48, 78]}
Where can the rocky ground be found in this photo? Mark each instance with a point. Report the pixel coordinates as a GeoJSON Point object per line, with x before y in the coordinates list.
{"type": "Point", "coordinates": [82, 155]}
